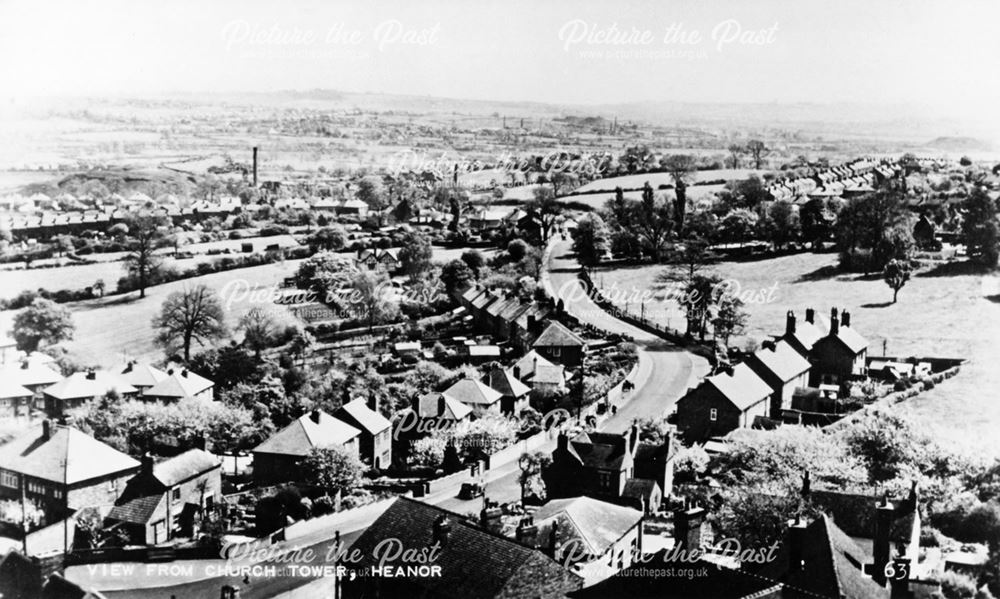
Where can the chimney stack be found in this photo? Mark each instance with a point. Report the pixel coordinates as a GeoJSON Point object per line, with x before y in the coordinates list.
{"type": "Point", "coordinates": [147, 464]}
{"type": "Point", "coordinates": [91, 374]}
{"type": "Point", "coordinates": [796, 542]}
{"type": "Point", "coordinates": [790, 323]}
{"type": "Point", "coordinates": [885, 513]}
{"type": "Point", "coordinates": [810, 315]}
{"type": "Point", "coordinates": [834, 322]}
{"type": "Point", "coordinates": [845, 318]}
{"type": "Point", "coordinates": [517, 372]}
{"type": "Point", "coordinates": [314, 416]}
{"type": "Point", "coordinates": [372, 402]}
{"type": "Point", "coordinates": [442, 529]}
{"type": "Point", "coordinates": [441, 406]}
{"type": "Point", "coordinates": [554, 544]}
{"type": "Point", "coordinates": [562, 442]}
{"type": "Point", "coordinates": [255, 166]}
{"type": "Point", "coordinates": [687, 527]}
{"type": "Point", "coordinates": [526, 531]}
{"type": "Point", "coordinates": [46, 429]}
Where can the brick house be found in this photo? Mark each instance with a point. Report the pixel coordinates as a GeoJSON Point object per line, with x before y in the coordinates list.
{"type": "Point", "coordinates": [376, 432]}
{"type": "Point", "coordinates": [141, 375]}
{"type": "Point", "coordinates": [15, 400]}
{"type": "Point", "coordinates": [278, 459]}
{"type": "Point", "coordinates": [722, 403]}
{"type": "Point", "coordinates": [802, 336]}
{"type": "Point", "coordinates": [82, 387]}
{"type": "Point", "coordinates": [63, 469]}
{"type": "Point", "coordinates": [478, 396]}
{"type": "Point", "coordinates": [840, 354]}
{"type": "Point", "coordinates": [783, 369]}
{"type": "Point", "coordinates": [561, 345]}
{"type": "Point", "coordinates": [180, 383]}
{"type": "Point", "coordinates": [166, 498]}
{"type": "Point", "coordinates": [513, 393]}
{"type": "Point", "coordinates": [540, 374]}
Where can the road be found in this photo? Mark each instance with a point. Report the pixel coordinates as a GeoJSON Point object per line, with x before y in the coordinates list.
{"type": "Point", "coordinates": [663, 374]}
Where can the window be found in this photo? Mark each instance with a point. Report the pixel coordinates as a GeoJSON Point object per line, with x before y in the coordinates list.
{"type": "Point", "coordinates": [555, 351]}
{"type": "Point", "coordinates": [176, 494]}
{"type": "Point", "coordinates": [713, 414]}
{"type": "Point", "coordinates": [605, 479]}
{"type": "Point", "coordinates": [9, 479]}
{"type": "Point", "coordinates": [34, 487]}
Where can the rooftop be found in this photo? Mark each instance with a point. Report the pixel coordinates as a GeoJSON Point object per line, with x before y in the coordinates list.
{"type": "Point", "coordinates": [67, 456]}
{"type": "Point", "coordinates": [316, 429]}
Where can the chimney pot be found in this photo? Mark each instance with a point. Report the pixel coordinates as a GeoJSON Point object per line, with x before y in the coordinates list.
{"type": "Point", "coordinates": [441, 405]}
{"type": "Point", "coordinates": [46, 429]}
{"type": "Point", "coordinates": [845, 318]}
{"type": "Point", "coordinates": [810, 315]}
{"type": "Point", "coordinates": [790, 323]}
{"type": "Point", "coordinates": [91, 375]}
{"type": "Point", "coordinates": [834, 322]}
{"type": "Point", "coordinates": [314, 416]}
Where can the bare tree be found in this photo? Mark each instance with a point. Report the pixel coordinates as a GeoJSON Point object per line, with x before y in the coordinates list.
{"type": "Point", "coordinates": [758, 150]}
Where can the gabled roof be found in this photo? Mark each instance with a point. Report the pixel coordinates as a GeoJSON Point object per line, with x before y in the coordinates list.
{"type": "Point", "coordinates": [81, 385]}
{"type": "Point", "coordinates": [180, 468]}
{"type": "Point", "coordinates": [595, 524]}
{"type": "Point", "coordinates": [851, 339]}
{"type": "Point", "coordinates": [305, 433]}
{"type": "Point", "coordinates": [68, 456]}
{"type": "Point", "coordinates": [141, 374]}
{"type": "Point", "coordinates": [357, 412]}
{"type": "Point", "coordinates": [783, 361]}
{"type": "Point", "coordinates": [604, 451]}
{"type": "Point", "coordinates": [556, 335]}
{"type": "Point", "coordinates": [427, 407]}
{"type": "Point", "coordinates": [503, 382]}
{"type": "Point", "coordinates": [472, 392]}
{"type": "Point", "coordinates": [807, 334]}
{"type": "Point", "coordinates": [527, 363]}
{"type": "Point", "coordinates": [9, 389]}
{"type": "Point", "coordinates": [743, 389]}
{"type": "Point", "coordinates": [180, 383]}
{"type": "Point", "coordinates": [475, 563]}
{"type": "Point", "coordinates": [136, 510]}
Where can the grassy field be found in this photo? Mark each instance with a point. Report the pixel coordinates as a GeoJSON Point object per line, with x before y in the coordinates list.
{"type": "Point", "coordinates": [112, 328]}
{"type": "Point", "coordinates": [953, 316]}
{"type": "Point", "coordinates": [657, 179]}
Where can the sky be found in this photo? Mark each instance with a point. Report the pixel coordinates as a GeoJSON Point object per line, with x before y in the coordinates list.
{"type": "Point", "coordinates": [943, 54]}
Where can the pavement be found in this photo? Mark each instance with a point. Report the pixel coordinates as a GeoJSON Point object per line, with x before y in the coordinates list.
{"type": "Point", "coordinates": [663, 374]}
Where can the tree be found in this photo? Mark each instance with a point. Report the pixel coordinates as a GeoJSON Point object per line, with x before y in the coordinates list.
{"type": "Point", "coordinates": [369, 300]}
{"type": "Point", "coordinates": [873, 229]}
{"type": "Point", "coordinates": [475, 261]}
{"type": "Point", "coordinates": [301, 344]}
{"type": "Point", "coordinates": [64, 244]}
{"type": "Point", "coordinates": [517, 248]}
{"type": "Point", "coordinates": [532, 465]}
{"type": "Point", "coordinates": [738, 225]}
{"type": "Point", "coordinates": [99, 287]}
{"type": "Point", "coordinates": [700, 295]}
{"type": "Point", "coordinates": [730, 318]}
{"type": "Point", "coordinates": [415, 254]}
{"type": "Point", "coordinates": [43, 322]}
{"type": "Point", "coordinates": [653, 222]}
{"type": "Point", "coordinates": [895, 275]}
{"type": "Point", "coordinates": [371, 193]}
{"type": "Point", "coordinates": [333, 468]}
{"type": "Point", "coordinates": [141, 263]}
{"type": "Point", "coordinates": [816, 221]}
{"type": "Point", "coordinates": [735, 151]}
{"type": "Point", "coordinates": [591, 240]}
{"type": "Point", "coordinates": [682, 169]}
{"type": "Point", "coordinates": [546, 208]}
{"type": "Point", "coordinates": [259, 329]}
{"type": "Point", "coordinates": [757, 150]}
{"type": "Point", "coordinates": [783, 223]}
{"type": "Point", "coordinates": [979, 228]}
{"type": "Point", "coordinates": [194, 314]}
{"type": "Point", "coordinates": [456, 275]}
{"type": "Point", "coordinates": [329, 238]}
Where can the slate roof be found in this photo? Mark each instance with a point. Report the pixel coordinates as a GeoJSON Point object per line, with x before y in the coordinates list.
{"type": "Point", "coordinates": [473, 392]}
{"type": "Point", "coordinates": [358, 412]}
{"type": "Point", "coordinates": [807, 334]}
{"type": "Point", "coordinates": [137, 510]}
{"type": "Point", "coordinates": [80, 385]}
{"type": "Point", "coordinates": [427, 407]}
{"type": "Point", "coordinates": [854, 513]}
{"type": "Point", "coordinates": [744, 388]}
{"type": "Point", "coordinates": [141, 374]}
{"type": "Point", "coordinates": [503, 382]}
{"type": "Point", "coordinates": [68, 456]}
{"type": "Point", "coordinates": [557, 335]}
{"type": "Point", "coordinates": [175, 470]}
{"type": "Point", "coordinates": [180, 383]}
{"type": "Point", "coordinates": [474, 563]}
{"type": "Point", "coordinates": [535, 368]}
{"type": "Point", "coordinates": [852, 339]}
{"type": "Point", "coordinates": [605, 451]}
{"type": "Point", "coordinates": [595, 524]}
{"type": "Point", "coordinates": [9, 389]}
{"type": "Point", "coordinates": [831, 565]}
{"type": "Point", "coordinates": [783, 361]}
{"type": "Point", "coordinates": [639, 488]}
{"type": "Point", "coordinates": [302, 435]}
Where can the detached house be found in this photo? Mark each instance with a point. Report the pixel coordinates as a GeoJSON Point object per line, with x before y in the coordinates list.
{"type": "Point", "coordinates": [560, 345]}
{"type": "Point", "coordinates": [722, 403]}
{"type": "Point", "coordinates": [376, 258]}
{"type": "Point", "coordinates": [539, 373]}
{"type": "Point", "coordinates": [15, 400]}
{"type": "Point", "coordinates": [278, 458]}
{"type": "Point", "coordinates": [141, 375]}
{"type": "Point", "coordinates": [166, 498]}
{"type": "Point", "coordinates": [478, 396]}
{"type": "Point", "coordinates": [839, 355]}
{"type": "Point", "coordinates": [181, 383]}
{"type": "Point", "coordinates": [376, 432]}
{"type": "Point", "coordinates": [81, 387]}
{"type": "Point", "coordinates": [783, 369]}
{"type": "Point", "coordinates": [513, 393]}
{"type": "Point", "coordinates": [62, 469]}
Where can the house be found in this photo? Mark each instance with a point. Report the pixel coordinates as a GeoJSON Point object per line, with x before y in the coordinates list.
{"type": "Point", "coordinates": [62, 469]}
{"type": "Point", "coordinates": [141, 375]}
{"type": "Point", "coordinates": [476, 395]}
{"type": "Point", "coordinates": [839, 355]}
{"type": "Point", "coordinates": [513, 393]}
{"type": "Point", "coordinates": [487, 220]}
{"type": "Point", "coordinates": [443, 409]}
{"type": "Point", "coordinates": [25, 578]}
{"type": "Point", "coordinates": [540, 374]}
{"type": "Point", "coordinates": [818, 559]}
{"type": "Point", "coordinates": [783, 369]}
{"type": "Point", "coordinates": [15, 399]}
{"type": "Point", "coordinates": [8, 348]}
{"type": "Point", "coordinates": [561, 345]}
{"type": "Point", "coordinates": [376, 432]}
{"type": "Point", "coordinates": [352, 207]}
{"type": "Point", "coordinates": [181, 383]}
{"type": "Point", "coordinates": [81, 387]}
{"type": "Point", "coordinates": [474, 563]}
{"type": "Point", "coordinates": [724, 402]}
{"type": "Point", "coordinates": [278, 458]}
{"type": "Point", "coordinates": [601, 465]}
{"type": "Point", "coordinates": [802, 336]}
{"type": "Point", "coordinates": [378, 259]}
{"type": "Point", "coordinates": [596, 538]}
{"type": "Point", "coordinates": [166, 499]}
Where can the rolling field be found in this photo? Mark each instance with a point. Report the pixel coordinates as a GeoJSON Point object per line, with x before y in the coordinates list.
{"type": "Point", "coordinates": [951, 316]}
{"type": "Point", "coordinates": [657, 179]}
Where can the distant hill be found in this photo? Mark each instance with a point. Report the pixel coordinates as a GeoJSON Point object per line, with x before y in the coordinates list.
{"type": "Point", "coordinates": [960, 144]}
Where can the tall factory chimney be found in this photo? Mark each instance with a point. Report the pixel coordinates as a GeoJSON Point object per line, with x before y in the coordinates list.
{"type": "Point", "coordinates": [255, 166]}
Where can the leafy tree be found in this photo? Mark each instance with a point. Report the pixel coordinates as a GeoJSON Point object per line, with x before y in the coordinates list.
{"type": "Point", "coordinates": [142, 263]}
{"type": "Point", "coordinates": [329, 238]}
{"type": "Point", "coordinates": [654, 223]}
{"type": "Point", "coordinates": [730, 318]}
{"type": "Point", "coordinates": [591, 240]}
{"type": "Point", "coordinates": [895, 275]}
{"type": "Point", "coordinates": [979, 228]}
{"type": "Point", "coordinates": [701, 293]}
{"type": "Point", "coordinates": [474, 260]}
{"type": "Point", "coordinates": [370, 300]}
{"type": "Point", "coordinates": [887, 443]}
{"type": "Point", "coordinates": [99, 287]}
{"type": "Point", "coordinates": [194, 314]}
{"type": "Point", "coordinates": [546, 208]}
{"type": "Point", "coordinates": [745, 193]}
{"type": "Point", "coordinates": [333, 468]}
{"type": "Point", "coordinates": [325, 273]}
{"type": "Point", "coordinates": [532, 465]}
{"type": "Point", "coordinates": [874, 229]}
{"type": "Point", "coordinates": [43, 322]}
{"type": "Point", "coordinates": [735, 151]}
{"type": "Point", "coordinates": [682, 169]}
{"type": "Point", "coordinates": [371, 193]}
{"type": "Point", "coordinates": [456, 275]}
{"type": "Point", "coordinates": [301, 344]}
{"type": "Point", "coordinates": [758, 150]}
{"type": "Point", "coordinates": [415, 254]}
{"type": "Point", "coordinates": [517, 248]}
{"type": "Point", "coordinates": [653, 430]}
{"type": "Point", "coordinates": [816, 221]}
{"type": "Point", "coordinates": [783, 222]}
{"type": "Point", "coordinates": [738, 225]}
{"type": "Point", "coordinates": [259, 329]}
